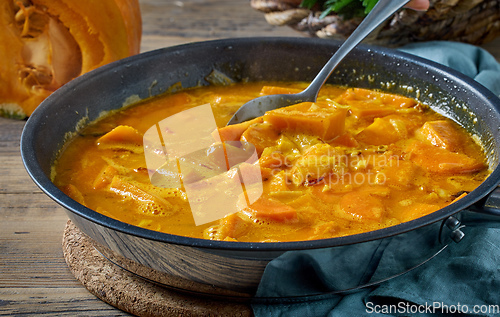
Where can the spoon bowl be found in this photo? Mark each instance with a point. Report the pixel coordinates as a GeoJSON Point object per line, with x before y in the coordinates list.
{"type": "Point", "coordinates": [258, 106]}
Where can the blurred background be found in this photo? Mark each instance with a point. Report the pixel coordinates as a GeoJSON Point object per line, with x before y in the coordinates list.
{"type": "Point", "coordinates": [170, 22]}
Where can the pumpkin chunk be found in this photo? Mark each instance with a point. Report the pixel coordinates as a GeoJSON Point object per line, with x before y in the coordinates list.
{"type": "Point", "coordinates": [382, 131]}
{"type": "Point", "coordinates": [318, 164]}
{"type": "Point", "coordinates": [323, 119]}
{"type": "Point", "coordinates": [346, 140]}
{"type": "Point", "coordinates": [105, 177]}
{"type": "Point", "coordinates": [440, 133]}
{"type": "Point", "coordinates": [364, 204]}
{"type": "Point", "coordinates": [121, 134]}
{"type": "Point", "coordinates": [234, 132]}
{"type": "Point", "coordinates": [122, 138]}
{"type": "Point", "coordinates": [266, 208]}
{"type": "Point", "coordinates": [261, 135]}
{"type": "Point", "coordinates": [51, 42]}
{"type": "Point", "coordinates": [229, 227]}
{"type": "Point", "coordinates": [438, 160]}
{"type": "Point", "coordinates": [366, 103]}
{"type": "Point", "coordinates": [276, 183]}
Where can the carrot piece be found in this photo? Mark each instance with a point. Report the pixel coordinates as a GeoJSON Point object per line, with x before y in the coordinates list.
{"type": "Point", "coordinates": [438, 160]}
{"type": "Point", "coordinates": [265, 208]}
{"type": "Point", "coordinates": [105, 177]}
{"type": "Point", "coordinates": [462, 195]}
{"type": "Point", "coordinates": [233, 132]}
{"type": "Point", "coordinates": [322, 119]}
{"type": "Point", "coordinates": [276, 90]}
{"type": "Point", "coordinates": [440, 133]}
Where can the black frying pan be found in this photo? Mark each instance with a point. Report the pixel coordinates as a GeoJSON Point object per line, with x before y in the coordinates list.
{"type": "Point", "coordinates": [219, 267]}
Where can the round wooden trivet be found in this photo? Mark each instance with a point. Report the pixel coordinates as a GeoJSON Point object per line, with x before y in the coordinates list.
{"type": "Point", "coordinates": [131, 293]}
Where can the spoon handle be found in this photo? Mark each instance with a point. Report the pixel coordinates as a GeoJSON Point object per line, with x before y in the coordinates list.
{"type": "Point", "coordinates": [258, 106]}
{"type": "Point", "coordinates": [380, 12]}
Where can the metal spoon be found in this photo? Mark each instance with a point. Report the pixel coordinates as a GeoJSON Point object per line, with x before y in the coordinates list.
{"type": "Point", "coordinates": [258, 106]}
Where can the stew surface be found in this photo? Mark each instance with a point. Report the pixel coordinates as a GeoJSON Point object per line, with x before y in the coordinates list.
{"type": "Point", "coordinates": [355, 161]}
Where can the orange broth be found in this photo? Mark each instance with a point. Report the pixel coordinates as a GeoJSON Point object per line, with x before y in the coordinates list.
{"type": "Point", "coordinates": [355, 161]}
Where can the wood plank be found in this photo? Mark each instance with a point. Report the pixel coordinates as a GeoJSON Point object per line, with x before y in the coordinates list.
{"type": "Point", "coordinates": [30, 243]}
{"type": "Point", "coordinates": [60, 301]}
{"type": "Point", "coordinates": [168, 23]}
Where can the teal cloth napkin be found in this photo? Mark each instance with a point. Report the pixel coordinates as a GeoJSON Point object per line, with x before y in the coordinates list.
{"type": "Point", "coordinates": [470, 60]}
{"type": "Point", "coordinates": [464, 277]}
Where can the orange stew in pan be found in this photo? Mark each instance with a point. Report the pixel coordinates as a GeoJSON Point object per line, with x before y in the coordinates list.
{"type": "Point", "coordinates": [356, 160]}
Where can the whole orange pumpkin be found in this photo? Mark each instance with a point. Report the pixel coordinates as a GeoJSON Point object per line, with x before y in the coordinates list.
{"type": "Point", "coordinates": [46, 43]}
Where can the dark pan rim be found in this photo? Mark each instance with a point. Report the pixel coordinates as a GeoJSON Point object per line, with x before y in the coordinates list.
{"type": "Point", "coordinates": [43, 182]}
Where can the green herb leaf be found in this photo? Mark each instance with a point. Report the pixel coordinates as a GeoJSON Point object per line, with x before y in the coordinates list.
{"type": "Point", "coordinates": [345, 8]}
{"type": "Point", "coordinates": [369, 4]}
{"type": "Point", "coordinates": [308, 3]}
{"type": "Point", "coordinates": [338, 5]}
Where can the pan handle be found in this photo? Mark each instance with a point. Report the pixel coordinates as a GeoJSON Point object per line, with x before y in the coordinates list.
{"type": "Point", "coordinates": [489, 205]}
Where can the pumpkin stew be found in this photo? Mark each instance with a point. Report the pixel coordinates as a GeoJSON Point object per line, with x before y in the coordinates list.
{"type": "Point", "coordinates": [355, 161]}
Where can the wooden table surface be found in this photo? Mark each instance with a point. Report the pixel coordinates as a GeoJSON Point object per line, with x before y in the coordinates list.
{"type": "Point", "coordinates": [34, 278]}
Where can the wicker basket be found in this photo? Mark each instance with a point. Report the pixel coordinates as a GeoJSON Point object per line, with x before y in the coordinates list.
{"type": "Point", "coordinates": [470, 21]}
